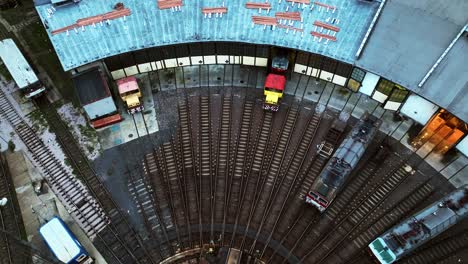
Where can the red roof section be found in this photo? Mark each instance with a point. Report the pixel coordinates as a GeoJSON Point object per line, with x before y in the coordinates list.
{"type": "Point", "coordinates": [106, 121]}
{"type": "Point", "coordinates": [275, 81]}
{"type": "Point", "coordinates": [95, 19]}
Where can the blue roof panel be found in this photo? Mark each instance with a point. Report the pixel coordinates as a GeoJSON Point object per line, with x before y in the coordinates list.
{"type": "Point", "coordinates": [148, 26]}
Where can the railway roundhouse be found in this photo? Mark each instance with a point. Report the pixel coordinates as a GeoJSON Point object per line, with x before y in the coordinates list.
{"type": "Point", "coordinates": [291, 131]}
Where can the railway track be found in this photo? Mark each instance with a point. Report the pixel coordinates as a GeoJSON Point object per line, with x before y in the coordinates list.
{"type": "Point", "coordinates": [261, 122]}
{"type": "Point", "coordinates": [160, 225]}
{"type": "Point", "coordinates": [439, 250]}
{"type": "Point", "coordinates": [363, 232]}
{"type": "Point", "coordinates": [116, 240]}
{"type": "Point", "coordinates": [171, 176]}
{"type": "Point", "coordinates": [156, 168]}
{"type": "Point", "coordinates": [142, 193]}
{"type": "Point", "coordinates": [300, 217]}
{"type": "Point", "coordinates": [271, 165]}
{"type": "Point", "coordinates": [11, 220]}
{"type": "Point", "coordinates": [193, 176]}
{"type": "Point", "coordinates": [236, 177]}
{"type": "Point", "coordinates": [71, 192]}
{"type": "Point", "coordinates": [356, 214]}
{"type": "Point", "coordinates": [205, 168]}
{"type": "Point", "coordinates": [257, 169]}
{"type": "Point", "coordinates": [290, 175]}
{"type": "Point", "coordinates": [221, 169]}
{"type": "Point", "coordinates": [156, 219]}
{"type": "Point", "coordinates": [187, 170]}
{"type": "Point", "coordinates": [175, 186]}
{"type": "Point", "coordinates": [272, 177]}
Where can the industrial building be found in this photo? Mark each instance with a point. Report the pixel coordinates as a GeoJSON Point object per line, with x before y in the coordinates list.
{"type": "Point", "coordinates": [203, 172]}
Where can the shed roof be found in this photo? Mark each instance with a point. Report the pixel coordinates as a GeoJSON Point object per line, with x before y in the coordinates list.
{"type": "Point", "coordinates": [147, 26]}
{"type": "Point", "coordinates": [16, 64]}
{"type": "Point", "coordinates": [408, 39]}
{"type": "Point", "coordinates": [90, 86]}
{"type": "Point", "coordinates": [100, 108]}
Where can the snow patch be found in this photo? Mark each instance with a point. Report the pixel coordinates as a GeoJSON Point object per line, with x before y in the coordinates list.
{"type": "Point", "coordinates": [7, 133]}
{"type": "Point", "coordinates": [36, 121]}
{"type": "Point", "coordinates": [86, 136]}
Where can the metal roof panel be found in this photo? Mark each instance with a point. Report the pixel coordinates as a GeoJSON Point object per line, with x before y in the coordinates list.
{"type": "Point", "coordinates": [147, 26]}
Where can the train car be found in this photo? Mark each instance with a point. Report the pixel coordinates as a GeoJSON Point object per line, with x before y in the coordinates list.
{"type": "Point", "coordinates": [130, 94]}
{"type": "Point", "coordinates": [95, 98]}
{"type": "Point", "coordinates": [275, 82]}
{"type": "Point", "coordinates": [344, 160]}
{"type": "Point", "coordinates": [63, 243]}
{"type": "Point", "coordinates": [421, 227]}
{"type": "Point", "coordinates": [20, 70]}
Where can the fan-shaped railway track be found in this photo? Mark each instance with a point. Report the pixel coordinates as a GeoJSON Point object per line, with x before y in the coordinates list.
{"type": "Point", "coordinates": [235, 176]}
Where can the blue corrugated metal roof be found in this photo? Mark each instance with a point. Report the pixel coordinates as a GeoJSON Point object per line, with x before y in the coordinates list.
{"type": "Point", "coordinates": [16, 64]}
{"type": "Point", "coordinates": [148, 26]}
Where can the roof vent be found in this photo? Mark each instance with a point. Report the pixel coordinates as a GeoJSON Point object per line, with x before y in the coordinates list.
{"type": "Point", "coordinates": [119, 6]}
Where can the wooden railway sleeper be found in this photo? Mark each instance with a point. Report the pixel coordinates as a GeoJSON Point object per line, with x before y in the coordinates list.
{"type": "Point", "coordinates": [308, 135]}
{"type": "Point", "coordinates": [276, 141]}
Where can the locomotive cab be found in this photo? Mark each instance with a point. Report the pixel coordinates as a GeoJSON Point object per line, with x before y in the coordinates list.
{"type": "Point", "coordinates": [273, 91]}
{"type": "Point", "coordinates": [280, 64]}
{"type": "Point", "coordinates": [317, 200]}
{"type": "Point", "coordinates": [130, 94]}
{"type": "Point", "coordinates": [34, 91]}
{"type": "Point", "coordinates": [275, 83]}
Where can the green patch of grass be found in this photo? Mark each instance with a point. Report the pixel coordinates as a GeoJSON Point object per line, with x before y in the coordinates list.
{"type": "Point", "coordinates": [74, 171]}
{"type": "Point", "coordinates": [87, 132]}
{"type": "Point", "coordinates": [38, 120]}
{"type": "Point", "coordinates": [36, 116]}
{"type": "Point", "coordinates": [11, 146]}
{"type": "Point", "coordinates": [90, 148]}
